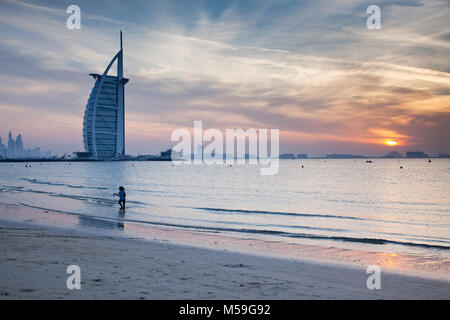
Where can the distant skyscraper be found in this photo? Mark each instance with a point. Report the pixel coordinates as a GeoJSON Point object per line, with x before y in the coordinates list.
{"type": "Point", "coordinates": [104, 117]}
{"type": "Point", "coordinates": [18, 147]}
{"type": "Point", "coordinates": [16, 150]}
{"type": "Point", "coordinates": [10, 149]}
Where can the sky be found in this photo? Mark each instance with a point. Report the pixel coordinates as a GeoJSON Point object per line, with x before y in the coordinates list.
{"type": "Point", "coordinates": [311, 69]}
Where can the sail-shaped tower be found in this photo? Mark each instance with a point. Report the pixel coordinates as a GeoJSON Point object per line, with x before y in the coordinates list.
{"type": "Point", "coordinates": [104, 117]}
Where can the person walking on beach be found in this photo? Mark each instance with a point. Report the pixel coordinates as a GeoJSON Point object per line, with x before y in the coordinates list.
{"type": "Point", "coordinates": [122, 195]}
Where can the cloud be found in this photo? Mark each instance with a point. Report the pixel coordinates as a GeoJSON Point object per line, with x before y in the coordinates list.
{"type": "Point", "coordinates": [310, 68]}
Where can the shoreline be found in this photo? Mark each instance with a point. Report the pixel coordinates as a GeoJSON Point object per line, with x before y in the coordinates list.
{"type": "Point", "coordinates": [35, 258]}
{"type": "Point", "coordinates": [122, 228]}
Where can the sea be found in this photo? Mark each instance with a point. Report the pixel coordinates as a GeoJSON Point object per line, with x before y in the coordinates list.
{"type": "Point", "coordinates": [390, 205]}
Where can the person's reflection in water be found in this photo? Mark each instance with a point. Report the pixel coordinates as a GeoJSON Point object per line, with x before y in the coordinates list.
{"type": "Point", "coordinates": [121, 217]}
{"type": "Point", "coordinates": [101, 223]}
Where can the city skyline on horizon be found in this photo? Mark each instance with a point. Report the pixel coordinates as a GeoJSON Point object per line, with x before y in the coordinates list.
{"type": "Point", "coordinates": [15, 149]}
{"type": "Point", "coordinates": [234, 65]}
{"type": "Point", "coordinates": [35, 152]}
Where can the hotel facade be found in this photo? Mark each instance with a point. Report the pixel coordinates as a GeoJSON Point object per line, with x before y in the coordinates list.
{"type": "Point", "coordinates": [104, 117]}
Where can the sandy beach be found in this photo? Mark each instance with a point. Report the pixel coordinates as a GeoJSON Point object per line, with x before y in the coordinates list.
{"type": "Point", "coordinates": [34, 261]}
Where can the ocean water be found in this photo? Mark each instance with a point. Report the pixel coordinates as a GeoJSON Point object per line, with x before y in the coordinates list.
{"type": "Point", "coordinates": [339, 203]}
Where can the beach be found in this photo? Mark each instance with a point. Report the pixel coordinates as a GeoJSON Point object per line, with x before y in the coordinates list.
{"type": "Point", "coordinates": [196, 232]}
{"type": "Point", "coordinates": [35, 258]}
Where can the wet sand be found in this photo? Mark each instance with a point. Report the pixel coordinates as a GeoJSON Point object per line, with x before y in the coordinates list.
{"type": "Point", "coordinates": [34, 261]}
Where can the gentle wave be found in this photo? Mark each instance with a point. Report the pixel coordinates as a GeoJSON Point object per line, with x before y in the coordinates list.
{"type": "Point", "coordinates": [376, 241]}
{"type": "Point", "coordinates": [214, 210]}
{"type": "Point", "coordinates": [36, 181]}
{"type": "Point", "coordinates": [391, 202]}
{"type": "Point", "coordinates": [71, 196]}
{"type": "Point", "coordinates": [308, 215]}
{"type": "Point", "coordinates": [276, 213]}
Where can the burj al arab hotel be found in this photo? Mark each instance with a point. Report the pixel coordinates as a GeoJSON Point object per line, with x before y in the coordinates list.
{"type": "Point", "coordinates": [104, 117]}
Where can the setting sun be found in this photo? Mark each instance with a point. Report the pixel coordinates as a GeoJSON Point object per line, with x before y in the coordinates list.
{"type": "Point", "coordinates": [391, 142]}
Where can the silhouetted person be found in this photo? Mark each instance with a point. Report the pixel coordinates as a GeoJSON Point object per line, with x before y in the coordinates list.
{"type": "Point", "coordinates": [122, 195]}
